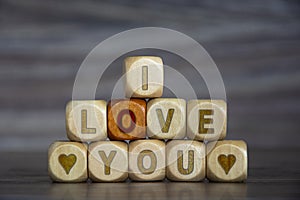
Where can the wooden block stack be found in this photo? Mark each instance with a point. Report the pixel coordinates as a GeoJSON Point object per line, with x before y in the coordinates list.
{"type": "Point", "coordinates": [148, 140]}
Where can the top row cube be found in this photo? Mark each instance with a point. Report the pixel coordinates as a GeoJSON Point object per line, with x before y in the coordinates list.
{"type": "Point", "coordinates": [144, 76]}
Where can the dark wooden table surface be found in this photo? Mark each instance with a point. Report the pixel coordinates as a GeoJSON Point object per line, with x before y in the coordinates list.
{"type": "Point", "coordinates": [273, 174]}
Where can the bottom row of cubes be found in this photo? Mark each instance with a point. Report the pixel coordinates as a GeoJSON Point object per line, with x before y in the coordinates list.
{"type": "Point", "coordinates": [148, 160]}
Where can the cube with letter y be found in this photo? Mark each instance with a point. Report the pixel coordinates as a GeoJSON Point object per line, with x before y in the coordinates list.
{"type": "Point", "coordinates": [108, 161]}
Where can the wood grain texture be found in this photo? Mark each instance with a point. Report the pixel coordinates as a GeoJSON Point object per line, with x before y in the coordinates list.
{"type": "Point", "coordinates": [227, 161]}
{"type": "Point", "coordinates": [144, 76]}
{"type": "Point", "coordinates": [86, 121]}
{"type": "Point", "coordinates": [147, 160]}
{"type": "Point", "coordinates": [126, 119]}
{"type": "Point", "coordinates": [185, 160]}
{"type": "Point", "coordinates": [67, 162]}
{"type": "Point", "coordinates": [108, 161]}
{"type": "Point", "coordinates": [255, 46]}
{"type": "Point", "coordinates": [206, 120]}
{"type": "Point", "coordinates": [166, 118]}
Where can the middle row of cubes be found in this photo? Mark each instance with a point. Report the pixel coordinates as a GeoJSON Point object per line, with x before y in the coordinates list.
{"type": "Point", "coordinates": [132, 119]}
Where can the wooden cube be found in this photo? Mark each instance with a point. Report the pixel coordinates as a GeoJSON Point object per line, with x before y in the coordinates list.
{"type": "Point", "coordinates": [67, 162]}
{"type": "Point", "coordinates": [144, 76]}
{"type": "Point", "coordinates": [147, 160]}
{"type": "Point", "coordinates": [185, 160]}
{"type": "Point", "coordinates": [108, 161]}
{"type": "Point", "coordinates": [86, 120]}
{"type": "Point", "coordinates": [127, 119]}
{"type": "Point", "coordinates": [227, 161]}
{"type": "Point", "coordinates": [166, 118]}
{"type": "Point", "coordinates": [206, 120]}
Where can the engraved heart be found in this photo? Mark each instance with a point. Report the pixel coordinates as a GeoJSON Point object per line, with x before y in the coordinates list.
{"type": "Point", "coordinates": [226, 162]}
{"type": "Point", "coordinates": [67, 162]}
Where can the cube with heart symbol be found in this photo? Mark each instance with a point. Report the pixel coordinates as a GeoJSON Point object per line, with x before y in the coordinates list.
{"type": "Point", "coordinates": [227, 161]}
{"type": "Point", "coordinates": [67, 162]}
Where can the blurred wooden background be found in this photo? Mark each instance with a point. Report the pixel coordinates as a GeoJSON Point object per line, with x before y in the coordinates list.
{"type": "Point", "coordinates": [255, 44]}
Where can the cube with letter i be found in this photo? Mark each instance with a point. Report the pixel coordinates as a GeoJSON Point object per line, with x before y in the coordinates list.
{"type": "Point", "coordinates": [144, 76]}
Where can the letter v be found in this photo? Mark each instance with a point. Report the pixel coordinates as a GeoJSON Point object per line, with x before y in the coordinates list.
{"type": "Point", "coordinates": [165, 124]}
